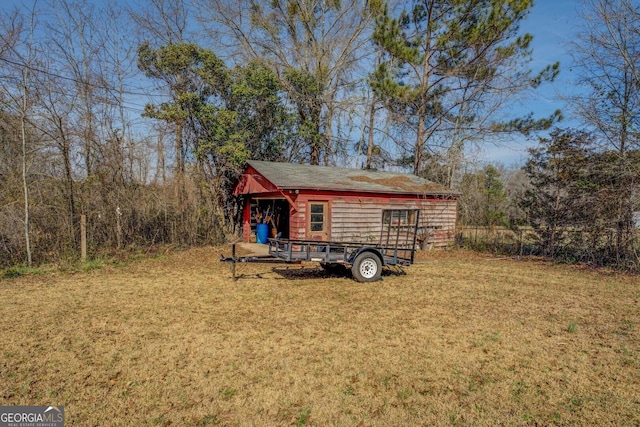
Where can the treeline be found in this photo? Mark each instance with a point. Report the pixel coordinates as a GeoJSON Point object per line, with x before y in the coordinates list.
{"type": "Point", "coordinates": [139, 119]}
{"type": "Point", "coordinates": [572, 201]}
{"type": "Point", "coordinates": [577, 197]}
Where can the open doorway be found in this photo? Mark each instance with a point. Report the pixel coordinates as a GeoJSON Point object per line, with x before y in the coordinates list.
{"type": "Point", "coordinates": [273, 212]}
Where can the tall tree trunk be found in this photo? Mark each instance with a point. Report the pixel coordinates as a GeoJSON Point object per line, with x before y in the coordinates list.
{"type": "Point", "coordinates": [553, 229]}
{"type": "Point", "coordinates": [180, 161]}
{"type": "Point", "coordinates": [315, 139]}
{"type": "Point", "coordinates": [160, 167]}
{"type": "Point", "coordinates": [424, 84]}
{"type": "Point", "coordinates": [88, 132]}
{"type": "Point", "coordinates": [68, 177]}
{"type": "Point", "coordinates": [328, 135]}
{"type": "Point", "coordinates": [372, 119]}
{"type": "Point", "coordinates": [25, 186]}
{"type": "Point", "coordinates": [622, 221]}
{"type": "Point", "coordinates": [419, 147]}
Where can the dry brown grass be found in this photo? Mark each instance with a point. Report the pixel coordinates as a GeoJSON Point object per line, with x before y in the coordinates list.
{"type": "Point", "coordinates": [461, 339]}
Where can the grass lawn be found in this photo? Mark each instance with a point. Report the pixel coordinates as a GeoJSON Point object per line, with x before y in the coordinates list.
{"type": "Point", "coordinates": [461, 339]}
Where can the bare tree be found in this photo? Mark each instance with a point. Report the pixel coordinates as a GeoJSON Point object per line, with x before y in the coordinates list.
{"type": "Point", "coordinates": [55, 104]}
{"type": "Point", "coordinates": [161, 21]}
{"type": "Point", "coordinates": [315, 47]}
{"type": "Point", "coordinates": [606, 53]}
{"type": "Point", "coordinates": [117, 62]}
{"type": "Point", "coordinates": [22, 54]}
{"type": "Point", "coordinates": [74, 43]}
{"type": "Point", "coordinates": [70, 145]}
{"type": "Point", "coordinates": [23, 131]}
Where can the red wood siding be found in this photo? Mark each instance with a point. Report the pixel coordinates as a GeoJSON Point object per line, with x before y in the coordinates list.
{"type": "Point", "coordinates": [297, 220]}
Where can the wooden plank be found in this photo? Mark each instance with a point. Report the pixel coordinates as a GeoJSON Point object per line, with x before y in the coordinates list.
{"type": "Point", "coordinates": [357, 217]}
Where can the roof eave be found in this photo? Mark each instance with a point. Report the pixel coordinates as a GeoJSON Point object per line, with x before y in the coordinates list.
{"type": "Point", "coordinates": [359, 190]}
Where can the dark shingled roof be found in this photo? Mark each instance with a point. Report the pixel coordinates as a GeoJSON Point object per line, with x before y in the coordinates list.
{"type": "Point", "coordinates": [289, 176]}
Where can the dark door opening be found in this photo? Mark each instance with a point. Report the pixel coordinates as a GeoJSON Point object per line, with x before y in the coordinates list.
{"type": "Point", "coordinates": [274, 213]}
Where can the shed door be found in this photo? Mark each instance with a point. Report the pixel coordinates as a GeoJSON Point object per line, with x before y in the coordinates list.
{"type": "Point", "coordinates": [318, 222]}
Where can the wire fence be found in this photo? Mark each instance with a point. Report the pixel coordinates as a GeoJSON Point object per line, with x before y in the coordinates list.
{"type": "Point", "coordinates": [569, 245]}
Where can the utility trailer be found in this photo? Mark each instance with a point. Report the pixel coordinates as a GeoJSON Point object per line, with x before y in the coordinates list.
{"type": "Point", "coordinates": [395, 247]}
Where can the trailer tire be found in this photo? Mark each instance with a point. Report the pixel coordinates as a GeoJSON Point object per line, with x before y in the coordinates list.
{"type": "Point", "coordinates": [367, 267]}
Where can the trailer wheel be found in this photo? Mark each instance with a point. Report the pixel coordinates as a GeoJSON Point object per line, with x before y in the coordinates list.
{"type": "Point", "coordinates": [367, 267]}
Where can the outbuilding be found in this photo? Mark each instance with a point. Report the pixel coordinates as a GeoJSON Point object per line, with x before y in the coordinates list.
{"type": "Point", "coordinates": [339, 204]}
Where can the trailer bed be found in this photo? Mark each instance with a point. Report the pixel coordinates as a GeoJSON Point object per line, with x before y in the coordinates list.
{"type": "Point", "coordinates": [291, 250]}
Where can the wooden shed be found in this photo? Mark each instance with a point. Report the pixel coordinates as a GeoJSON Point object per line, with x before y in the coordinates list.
{"type": "Point", "coordinates": [339, 204]}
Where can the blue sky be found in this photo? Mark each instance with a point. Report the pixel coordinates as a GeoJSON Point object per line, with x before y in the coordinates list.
{"type": "Point", "coordinates": [553, 24]}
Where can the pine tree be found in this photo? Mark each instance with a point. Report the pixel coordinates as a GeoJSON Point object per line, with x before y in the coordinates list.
{"type": "Point", "coordinates": [449, 66]}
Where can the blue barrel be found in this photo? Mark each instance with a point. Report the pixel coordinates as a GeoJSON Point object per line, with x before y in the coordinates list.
{"type": "Point", "coordinates": [262, 233]}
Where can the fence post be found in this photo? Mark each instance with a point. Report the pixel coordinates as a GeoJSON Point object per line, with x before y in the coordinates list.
{"type": "Point", "coordinates": [83, 238]}
{"type": "Point", "coordinates": [233, 257]}
{"type": "Point", "coordinates": [118, 228]}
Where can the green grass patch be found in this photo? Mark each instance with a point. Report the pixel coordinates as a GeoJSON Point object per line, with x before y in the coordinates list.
{"type": "Point", "coordinates": [19, 271]}
{"type": "Point", "coordinates": [303, 418]}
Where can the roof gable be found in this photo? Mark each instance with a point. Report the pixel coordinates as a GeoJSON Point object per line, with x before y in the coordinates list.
{"type": "Point", "coordinates": [252, 182]}
{"type": "Point", "coordinates": [290, 176]}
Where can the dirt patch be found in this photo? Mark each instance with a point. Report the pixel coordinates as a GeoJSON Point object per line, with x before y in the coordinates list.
{"type": "Point", "coordinates": [460, 338]}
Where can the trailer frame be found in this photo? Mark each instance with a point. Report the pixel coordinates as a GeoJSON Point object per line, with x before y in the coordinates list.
{"type": "Point", "coordinates": [395, 247]}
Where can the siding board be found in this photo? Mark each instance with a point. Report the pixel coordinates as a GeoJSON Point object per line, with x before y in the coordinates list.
{"type": "Point", "coordinates": [359, 219]}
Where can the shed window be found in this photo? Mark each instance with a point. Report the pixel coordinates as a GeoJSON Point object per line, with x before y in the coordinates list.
{"type": "Point", "coordinates": [399, 217]}
{"type": "Point", "coordinates": [317, 216]}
